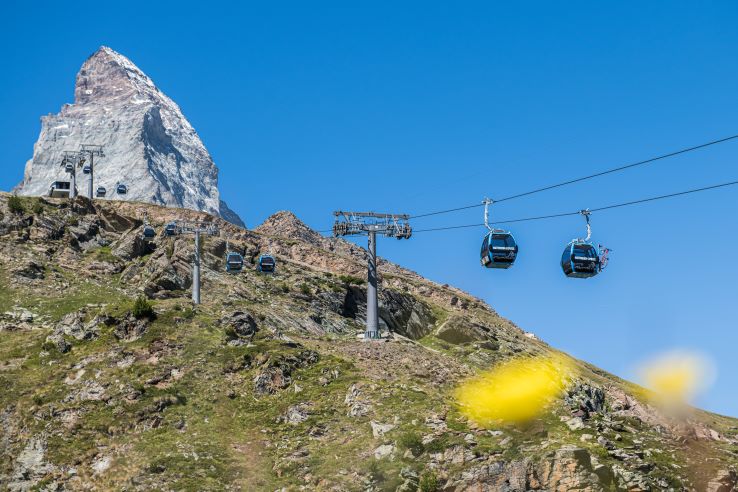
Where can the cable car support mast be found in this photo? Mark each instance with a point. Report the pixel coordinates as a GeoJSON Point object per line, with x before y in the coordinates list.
{"type": "Point", "coordinates": [371, 224]}
{"type": "Point", "coordinates": [196, 229]}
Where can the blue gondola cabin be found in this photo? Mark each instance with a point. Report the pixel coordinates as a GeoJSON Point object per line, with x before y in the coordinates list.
{"type": "Point", "coordinates": [267, 264]}
{"type": "Point", "coordinates": [499, 250]}
{"type": "Point", "coordinates": [580, 260]}
{"type": "Point", "coordinates": [234, 262]}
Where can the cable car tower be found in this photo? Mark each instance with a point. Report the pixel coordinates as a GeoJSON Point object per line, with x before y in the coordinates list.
{"type": "Point", "coordinates": [196, 229]}
{"type": "Point", "coordinates": [371, 224]}
{"type": "Point", "coordinates": [90, 151]}
{"type": "Point", "coordinates": [69, 162]}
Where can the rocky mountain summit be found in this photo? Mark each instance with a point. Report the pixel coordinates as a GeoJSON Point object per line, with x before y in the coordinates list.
{"type": "Point", "coordinates": [113, 381]}
{"type": "Point", "coordinates": [148, 143]}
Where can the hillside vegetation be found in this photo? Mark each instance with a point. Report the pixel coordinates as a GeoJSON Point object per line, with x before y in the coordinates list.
{"type": "Point", "coordinates": [113, 381]}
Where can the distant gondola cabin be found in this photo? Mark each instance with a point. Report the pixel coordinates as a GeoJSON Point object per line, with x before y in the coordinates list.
{"type": "Point", "coordinates": [234, 262]}
{"type": "Point", "coordinates": [267, 264]}
{"type": "Point", "coordinates": [149, 233]}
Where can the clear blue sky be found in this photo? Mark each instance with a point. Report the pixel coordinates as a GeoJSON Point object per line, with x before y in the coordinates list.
{"type": "Point", "coordinates": [417, 106]}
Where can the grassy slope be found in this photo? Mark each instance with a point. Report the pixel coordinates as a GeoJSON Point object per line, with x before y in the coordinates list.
{"type": "Point", "coordinates": [214, 430]}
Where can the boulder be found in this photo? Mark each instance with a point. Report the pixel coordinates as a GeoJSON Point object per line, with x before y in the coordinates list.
{"type": "Point", "coordinates": [458, 330]}
{"type": "Point", "coordinates": [129, 328]}
{"type": "Point", "coordinates": [405, 314]}
{"type": "Point", "coordinates": [379, 430]}
{"type": "Point", "coordinates": [84, 235]}
{"type": "Point", "coordinates": [631, 481]}
{"type": "Point", "coordinates": [585, 399]}
{"type": "Point", "coordinates": [358, 405]}
{"type": "Point", "coordinates": [240, 324]}
{"type": "Point", "coordinates": [384, 451]}
{"type": "Point", "coordinates": [132, 245]}
{"type": "Point", "coordinates": [57, 341]}
{"type": "Point", "coordinates": [411, 480]}
{"type": "Point", "coordinates": [296, 414]}
{"type": "Point", "coordinates": [72, 325]}
{"type": "Point", "coordinates": [46, 228]}
{"type": "Point", "coordinates": [30, 466]}
{"type": "Point", "coordinates": [30, 270]}
{"type": "Point", "coordinates": [270, 380]}
{"type": "Point", "coordinates": [277, 372]}
{"type": "Point", "coordinates": [724, 481]}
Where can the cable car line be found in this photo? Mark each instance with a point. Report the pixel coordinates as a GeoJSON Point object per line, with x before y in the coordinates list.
{"type": "Point", "coordinates": [578, 212]}
{"type": "Point", "coordinates": [440, 212]}
{"type": "Point", "coordinates": [584, 178]}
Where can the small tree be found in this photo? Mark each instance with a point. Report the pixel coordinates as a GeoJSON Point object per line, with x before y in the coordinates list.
{"type": "Point", "coordinates": [142, 308]}
{"type": "Point", "coordinates": [15, 204]}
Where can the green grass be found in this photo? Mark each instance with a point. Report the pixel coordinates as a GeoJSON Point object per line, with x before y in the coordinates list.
{"type": "Point", "coordinates": [222, 444]}
{"type": "Point", "coordinates": [7, 293]}
{"type": "Point", "coordinates": [57, 306]}
{"type": "Point", "coordinates": [103, 253]}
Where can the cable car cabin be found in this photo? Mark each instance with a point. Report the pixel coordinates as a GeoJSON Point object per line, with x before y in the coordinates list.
{"type": "Point", "coordinates": [122, 189]}
{"type": "Point", "coordinates": [499, 250]}
{"type": "Point", "coordinates": [580, 260]}
{"type": "Point", "coordinates": [87, 169]}
{"type": "Point", "coordinates": [234, 262]}
{"type": "Point", "coordinates": [60, 189]}
{"type": "Point", "coordinates": [69, 168]}
{"type": "Point", "coordinates": [170, 229]}
{"type": "Point", "coordinates": [267, 264]}
{"type": "Point", "coordinates": [101, 191]}
{"type": "Point", "coordinates": [149, 233]}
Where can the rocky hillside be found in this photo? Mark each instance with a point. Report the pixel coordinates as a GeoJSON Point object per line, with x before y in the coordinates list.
{"type": "Point", "coordinates": [148, 143]}
{"type": "Point", "coordinates": [265, 385]}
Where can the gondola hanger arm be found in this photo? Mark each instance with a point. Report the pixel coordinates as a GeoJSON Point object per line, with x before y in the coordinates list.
{"type": "Point", "coordinates": [586, 213]}
{"type": "Point", "coordinates": [487, 202]}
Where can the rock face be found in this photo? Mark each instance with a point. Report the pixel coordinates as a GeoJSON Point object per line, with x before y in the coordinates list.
{"type": "Point", "coordinates": [148, 143]}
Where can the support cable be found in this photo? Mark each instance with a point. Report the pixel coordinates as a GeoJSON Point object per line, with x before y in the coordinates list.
{"type": "Point", "coordinates": [584, 178]}
{"type": "Point", "coordinates": [578, 212]}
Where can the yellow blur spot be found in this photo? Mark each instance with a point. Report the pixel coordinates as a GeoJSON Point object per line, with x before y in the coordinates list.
{"type": "Point", "coordinates": [515, 391]}
{"type": "Point", "coordinates": [677, 376]}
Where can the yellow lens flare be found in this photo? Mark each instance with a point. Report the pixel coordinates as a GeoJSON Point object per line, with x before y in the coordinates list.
{"type": "Point", "coordinates": [676, 377]}
{"type": "Point", "coordinates": [515, 391]}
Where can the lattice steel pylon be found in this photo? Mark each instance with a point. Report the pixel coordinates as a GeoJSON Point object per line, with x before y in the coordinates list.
{"type": "Point", "coordinates": [196, 229]}
{"type": "Point", "coordinates": [371, 224]}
